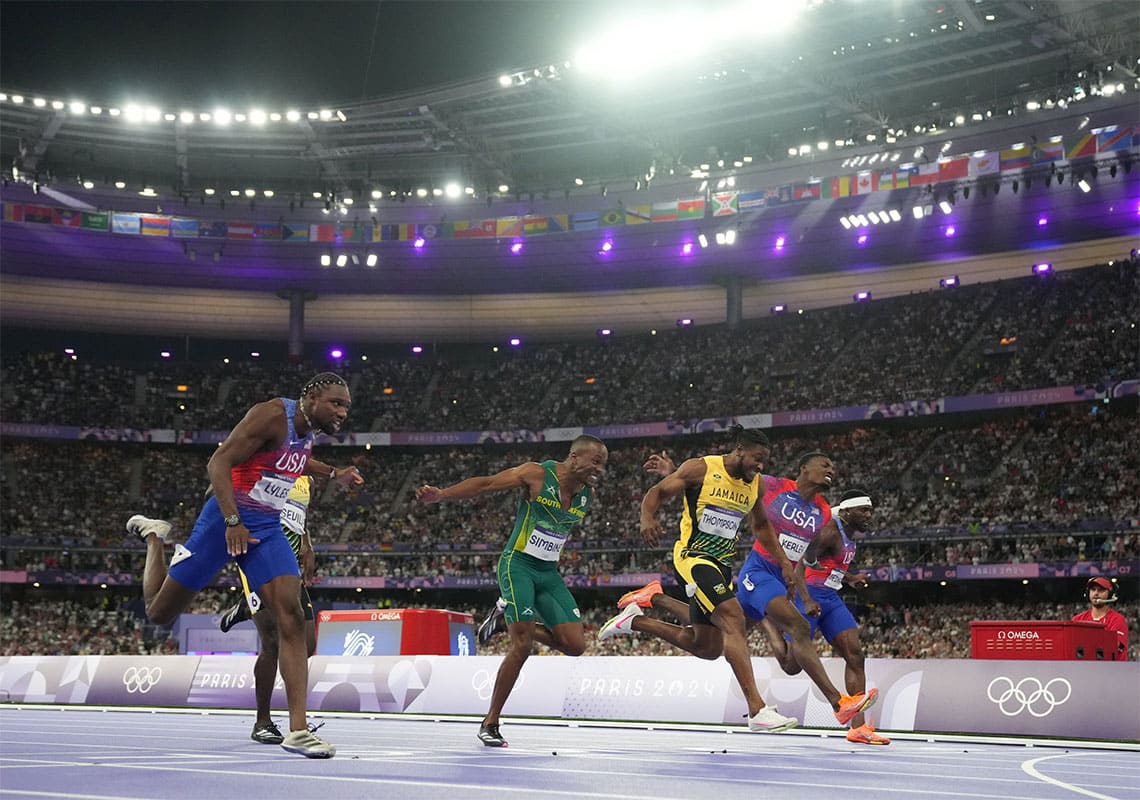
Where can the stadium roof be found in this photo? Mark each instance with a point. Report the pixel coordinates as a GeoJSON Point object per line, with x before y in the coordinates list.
{"type": "Point", "coordinates": [508, 99]}
{"type": "Point", "coordinates": [841, 71]}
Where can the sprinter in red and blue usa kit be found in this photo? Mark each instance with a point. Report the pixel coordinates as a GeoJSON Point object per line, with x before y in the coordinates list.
{"type": "Point", "coordinates": [768, 581]}
{"type": "Point", "coordinates": [826, 567]}
{"type": "Point", "coordinates": [797, 513]}
{"type": "Point", "coordinates": [251, 473]}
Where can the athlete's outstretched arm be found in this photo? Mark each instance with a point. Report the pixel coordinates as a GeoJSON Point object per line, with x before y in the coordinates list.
{"type": "Point", "coordinates": [765, 533]}
{"type": "Point", "coordinates": [827, 543]}
{"type": "Point", "coordinates": [529, 475]}
{"type": "Point", "coordinates": [690, 473]}
{"type": "Point", "coordinates": [347, 477]}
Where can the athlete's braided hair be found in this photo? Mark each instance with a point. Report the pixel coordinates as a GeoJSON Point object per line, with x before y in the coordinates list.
{"type": "Point", "coordinates": [321, 380]}
{"type": "Point", "coordinates": [748, 437]}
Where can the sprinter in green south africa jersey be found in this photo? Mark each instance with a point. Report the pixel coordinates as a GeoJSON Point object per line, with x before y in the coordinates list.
{"type": "Point", "coordinates": [558, 493]}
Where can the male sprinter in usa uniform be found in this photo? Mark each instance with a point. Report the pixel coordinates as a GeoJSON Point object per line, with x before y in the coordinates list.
{"type": "Point", "coordinates": [824, 568]}
{"type": "Point", "coordinates": [720, 491]}
{"type": "Point", "coordinates": [293, 517]}
{"type": "Point", "coordinates": [251, 474]}
{"type": "Point", "coordinates": [794, 514]}
{"type": "Point", "coordinates": [557, 494]}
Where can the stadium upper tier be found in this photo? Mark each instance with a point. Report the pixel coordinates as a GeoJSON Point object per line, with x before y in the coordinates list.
{"type": "Point", "coordinates": [1019, 473]}
{"type": "Point", "coordinates": [1071, 328]}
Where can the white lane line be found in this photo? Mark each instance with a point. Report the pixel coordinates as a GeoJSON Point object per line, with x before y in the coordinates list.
{"type": "Point", "coordinates": [141, 713]}
{"type": "Point", "coordinates": [70, 796]}
{"type": "Point", "coordinates": [533, 790]}
{"type": "Point", "coordinates": [1030, 768]}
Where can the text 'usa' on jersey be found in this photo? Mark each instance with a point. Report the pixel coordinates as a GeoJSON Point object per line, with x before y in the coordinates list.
{"type": "Point", "coordinates": [796, 521]}
{"type": "Point", "coordinates": [264, 481]}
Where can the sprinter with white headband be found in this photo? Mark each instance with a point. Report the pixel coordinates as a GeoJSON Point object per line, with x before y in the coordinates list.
{"type": "Point", "coordinates": [824, 567]}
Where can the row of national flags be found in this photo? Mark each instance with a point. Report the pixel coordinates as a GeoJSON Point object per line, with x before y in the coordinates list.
{"type": "Point", "coordinates": [718, 204]}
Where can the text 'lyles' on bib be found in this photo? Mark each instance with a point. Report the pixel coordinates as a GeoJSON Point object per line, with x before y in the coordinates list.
{"type": "Point", "coordinates": [835, 579]}
{"type": "Point", "coordinates": [794, 547]}
{"type": "Point", "coordinates": [720, 522]}
{"type": "Point", "coordinates": [544, 544]}
{"type": "Point", "coordinates": [271, 490]}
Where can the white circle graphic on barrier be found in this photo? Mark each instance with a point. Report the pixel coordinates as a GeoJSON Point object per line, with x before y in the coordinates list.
{"type": "Point", "coordinates": [140, 680]}
{"type": "Point", "coordinates": [483, 682]}
{"type": "Point", "coordinates": [1028, 694]}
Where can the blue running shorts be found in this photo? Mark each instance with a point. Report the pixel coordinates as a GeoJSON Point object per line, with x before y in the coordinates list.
{"type": "Point", "coordinates": [758, 583]}
{"type": "Point", "coordinates": [834, 618]}
{"type": "Point", "coordinates": [196, 562]}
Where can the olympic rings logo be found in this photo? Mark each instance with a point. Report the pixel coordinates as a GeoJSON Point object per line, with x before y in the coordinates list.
{"type": "Point", "coordinates": [1028, 694]}
{"type": "Point", "coordinates": [141, 679]}
{"type": "Point", "coordinates": [483, 682]}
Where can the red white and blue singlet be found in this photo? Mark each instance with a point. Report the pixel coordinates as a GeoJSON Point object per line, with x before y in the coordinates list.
{"type": "Point", "coordinates": [263, 482]}
{"type": "Point", "coordinates": [261, 488]}
{"type": "Point", "coordinates": [832, 568]}
{"type": "Point", "coordinates": [795, 520]}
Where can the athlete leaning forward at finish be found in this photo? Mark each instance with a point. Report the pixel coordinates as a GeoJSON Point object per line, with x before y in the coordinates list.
{"type": "Point", "coordinates": [555, 496]}
{"type": "Point", "coordinates": [719, 492]}
{"type": "Point", "coordinates": [251, 474]}
{"type": "Point", "coordinates": [789, 516]}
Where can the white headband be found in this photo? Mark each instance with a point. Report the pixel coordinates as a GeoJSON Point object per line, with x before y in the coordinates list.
{"type": "Point", "coordinates": [855, 502]}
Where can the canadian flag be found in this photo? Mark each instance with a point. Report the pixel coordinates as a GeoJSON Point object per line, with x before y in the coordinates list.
{"type": "Point", "coordinates": [866, 182]}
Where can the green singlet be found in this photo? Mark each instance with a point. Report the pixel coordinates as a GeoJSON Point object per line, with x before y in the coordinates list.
{"type": "Point", "coordinates": [528, 568]}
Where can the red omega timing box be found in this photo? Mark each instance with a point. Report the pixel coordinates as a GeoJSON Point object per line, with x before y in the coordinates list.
{"type": "Point", "coordinates": [1047, 640]}
{"type": "Point", "coordinates": [386, 632]}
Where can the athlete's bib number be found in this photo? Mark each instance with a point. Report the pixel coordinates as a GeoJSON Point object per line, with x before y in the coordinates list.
{"type": "Point", "coordinates": [293, 518]}
{"type": "Point", "coordinates": [271, 491]}
{"type": "Point", "coordinates": [835, 579]}
{"type": "Point", "coordinates": [720, 522]}
{"type": "Point", "coordinates": [794, 547]}
{"type": "Point", "coordinates": [544, 544]}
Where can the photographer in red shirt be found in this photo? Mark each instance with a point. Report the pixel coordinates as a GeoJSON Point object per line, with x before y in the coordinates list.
{"type": "Point", "coordinates": [1101, 593]}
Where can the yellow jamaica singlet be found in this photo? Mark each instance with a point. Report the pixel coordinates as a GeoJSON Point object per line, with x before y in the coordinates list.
{"type": "Point", "coordinates": [713, 511]}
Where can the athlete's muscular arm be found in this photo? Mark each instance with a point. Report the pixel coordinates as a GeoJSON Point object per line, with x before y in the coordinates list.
{"type": "Point", "coordinates": [345, 476]}
{"type": "Point", "coordinates": [691, 473]}
{"type": "Point", "coordinates": [826, 543]}
{"type": "Point", "coordinates": [529, 475]}
{"type": "Point", "coordinates": [765, 533]}
{"type": "Point", "coordinates": [263, 427]}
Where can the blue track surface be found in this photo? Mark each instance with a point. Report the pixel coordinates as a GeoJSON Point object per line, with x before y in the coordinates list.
{"type": "Point", "coordinates": [130, 754]}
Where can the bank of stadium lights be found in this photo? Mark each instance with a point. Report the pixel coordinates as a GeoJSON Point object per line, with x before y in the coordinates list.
{"type": "Point", "coordinates": [881, 217]}
{"type": "Point", "coordinates": [136, 113]}
{"type": "Point", "coordinates": [549, 72]}
{"type": "Point", "coordinates": [636, 46]}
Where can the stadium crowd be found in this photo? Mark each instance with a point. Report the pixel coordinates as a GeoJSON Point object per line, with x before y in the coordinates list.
{"type": "Point", "coordinates": [1016, 486]}
{"type": "Point", "coordinates": [1030, 475]}
{"type": "Point", "coordinates": [1069, 328]}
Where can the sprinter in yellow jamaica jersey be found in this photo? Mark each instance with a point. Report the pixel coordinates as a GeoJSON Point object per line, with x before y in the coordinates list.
{"type": "Point", "coordinates": [720, 492]}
